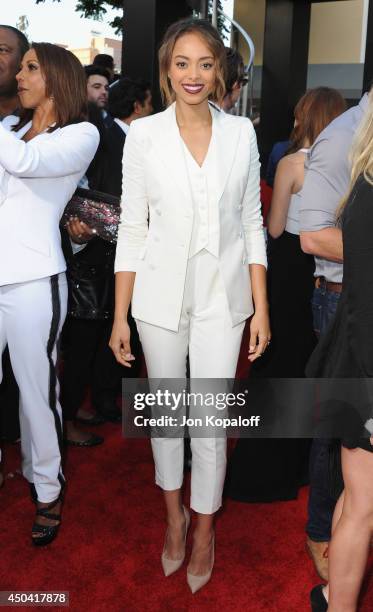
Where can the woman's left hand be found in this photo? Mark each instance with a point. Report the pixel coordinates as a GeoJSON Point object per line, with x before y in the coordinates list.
{"type": "Point", "coordinates": [260, 334]}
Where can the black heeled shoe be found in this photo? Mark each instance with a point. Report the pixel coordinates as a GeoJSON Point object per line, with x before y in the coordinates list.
{"type": "Point", "coordinates": [93, 440]}
{"type": "Point", "coordinates": [45, 534]}
{"type": "Point", "coordinates": [318, 601]}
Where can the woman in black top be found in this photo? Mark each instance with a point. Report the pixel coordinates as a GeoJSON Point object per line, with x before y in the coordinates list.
{"type": "Point", "coordinates": [283, 463]}
{"type": "Point", "coordinates": [346, 351]}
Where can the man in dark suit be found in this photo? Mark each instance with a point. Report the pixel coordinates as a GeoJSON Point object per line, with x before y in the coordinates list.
{"type": "Point", "coordinates": [128, 100]}
{"type": "Point", "coordinates": [87, 330]}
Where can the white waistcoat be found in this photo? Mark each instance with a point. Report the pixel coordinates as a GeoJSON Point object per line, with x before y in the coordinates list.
{"type": "Point", "coordinates": [205, 230]}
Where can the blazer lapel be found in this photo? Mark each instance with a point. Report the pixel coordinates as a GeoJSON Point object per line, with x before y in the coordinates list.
{"type": "Point", "coordinates": [227, 135]}
{"type": "Point", "coordinates": [168, 143]}
{"type": "Point", "coordinates": [170, 150]}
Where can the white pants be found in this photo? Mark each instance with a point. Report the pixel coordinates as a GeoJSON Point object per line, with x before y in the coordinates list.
{"type": "Point", "coordinates": [31, 319]}
{"type": "Point", "coordinates": [206, 333]}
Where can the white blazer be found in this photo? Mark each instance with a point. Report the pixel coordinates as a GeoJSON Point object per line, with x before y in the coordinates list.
{"type": "Point", "coordinates": [37, 179]}
{"type": "Point", "coordinates": [156, 189]}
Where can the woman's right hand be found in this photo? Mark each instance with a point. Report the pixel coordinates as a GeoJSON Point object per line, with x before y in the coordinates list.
{"type": "Point", "coordinates": [79, 232]}
{"type": "Point", "coordinates": [120, 342]}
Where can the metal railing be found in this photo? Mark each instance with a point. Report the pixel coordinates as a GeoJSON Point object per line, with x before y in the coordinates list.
{"type": "Point", "coordinates": [245, 103]}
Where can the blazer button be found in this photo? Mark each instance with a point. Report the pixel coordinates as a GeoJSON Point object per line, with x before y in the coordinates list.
{"type": "Point", "coordinates": [158, 211]}
{"type": "Point", "coordinates": [152, 266]}
{"type": "Point", "coordinates": [156, 239]}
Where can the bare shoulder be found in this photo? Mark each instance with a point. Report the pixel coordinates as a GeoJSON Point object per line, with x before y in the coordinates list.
{"type": "Point", "coordinates": [293, 159]}
{"type": "Point", "coordinates": [292, 165]}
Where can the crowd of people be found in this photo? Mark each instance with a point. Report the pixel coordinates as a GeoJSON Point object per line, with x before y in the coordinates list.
{"type": "Point", "coordinates": [189, 269]}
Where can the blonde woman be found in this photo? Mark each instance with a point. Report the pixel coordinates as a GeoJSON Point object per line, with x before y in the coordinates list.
{"type": "Point", "coordinates": [346, 351]}
{"type": "Point", "coordinates": [198, 271]}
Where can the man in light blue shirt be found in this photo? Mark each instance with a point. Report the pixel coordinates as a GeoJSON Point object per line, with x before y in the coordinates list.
{"type": "Point", "coordinates": [327, 180]}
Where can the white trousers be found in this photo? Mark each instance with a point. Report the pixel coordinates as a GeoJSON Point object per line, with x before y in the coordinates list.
{"type": "Point", "coordinates": [206, 334]}
{"type": "Point", "coordinates": [31, 319]}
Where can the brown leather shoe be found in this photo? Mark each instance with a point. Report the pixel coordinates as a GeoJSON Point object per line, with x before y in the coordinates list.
{"type": "Point", "coordinates": [318, 551]}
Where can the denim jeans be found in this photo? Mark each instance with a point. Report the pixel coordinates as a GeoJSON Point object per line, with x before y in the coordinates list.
{"type": "Point", "coordinates": [320, 503]}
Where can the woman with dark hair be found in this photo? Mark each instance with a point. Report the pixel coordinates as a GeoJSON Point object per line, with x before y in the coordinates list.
{"type": "Point", "coordinates": [197, 270]}
{"type": "Point", "coordinates": [43, 155]}
{"type": "Point", "coordinates": [288, 266]}
{"type": "Point", "coordinates": [284, 462]}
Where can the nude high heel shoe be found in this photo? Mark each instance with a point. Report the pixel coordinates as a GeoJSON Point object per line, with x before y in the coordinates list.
{"type": "Point", "coordinates": [172, 565]}
{"type": "Point", "coordinates": [197, 582]}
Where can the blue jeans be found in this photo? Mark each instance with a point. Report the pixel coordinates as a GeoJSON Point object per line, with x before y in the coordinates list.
{"type": "Point", "coordinates": [320, 504]}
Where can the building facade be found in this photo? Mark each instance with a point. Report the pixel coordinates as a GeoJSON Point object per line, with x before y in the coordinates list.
{"type": "Point", "coordinates": [336, 44]}
{"type": "Point", "coordinates": [100, 44]}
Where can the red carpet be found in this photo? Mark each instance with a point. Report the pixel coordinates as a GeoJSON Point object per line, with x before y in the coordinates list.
{"type": "Point", "coordinates": [107, 553]}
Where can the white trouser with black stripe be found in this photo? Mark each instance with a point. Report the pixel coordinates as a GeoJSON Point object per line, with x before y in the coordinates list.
{"type": "Point", "coordinates": [31, 319]}
{"type": "Point", "coordinates": [206, 334]}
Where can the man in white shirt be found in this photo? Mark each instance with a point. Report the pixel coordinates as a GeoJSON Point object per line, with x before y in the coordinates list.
{"type": "Point", "coordinates": [129, 100]}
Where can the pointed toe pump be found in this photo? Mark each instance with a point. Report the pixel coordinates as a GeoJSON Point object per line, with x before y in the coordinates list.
{"type": "Point", "coordinates": [170, 566]}
{"type": "Point", "coordinates": [197, 582]}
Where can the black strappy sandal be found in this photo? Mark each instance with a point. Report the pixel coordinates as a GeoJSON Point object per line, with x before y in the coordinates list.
{"type": "Point", "coordinates": [47, 532]}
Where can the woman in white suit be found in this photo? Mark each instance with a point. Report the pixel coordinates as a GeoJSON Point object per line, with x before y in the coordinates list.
{"type": "Point", "coordinates": [191, 257]}
{"type": "Point", "coordinates": [43, 154]}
